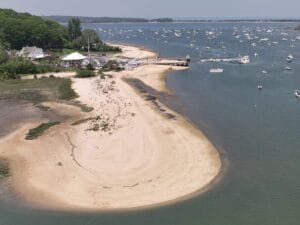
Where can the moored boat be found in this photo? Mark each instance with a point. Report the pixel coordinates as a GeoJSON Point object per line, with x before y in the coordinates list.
{"type": "Point", "coordinates": [216, 70]}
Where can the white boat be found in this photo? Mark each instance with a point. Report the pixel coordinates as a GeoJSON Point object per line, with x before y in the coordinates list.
{"type": "Point", "coordinates": [264, 39]}
{"type": "Point", "coordinates": [297, 94]}
{"type": "Point", "coordinates": [288, 68]}
{"type": "Point", "coordinates": [259, 87]}
{"type": "Point", "coordinates": [177, 34]}
{"type": "Point", "coordinates": [244, 60]}
{"type": "Point", "coordinates": [216, 70]}
{"type": "Point", "coordinates": [290, 58]}
{"type": "Point", "coordinates": [264, 72]}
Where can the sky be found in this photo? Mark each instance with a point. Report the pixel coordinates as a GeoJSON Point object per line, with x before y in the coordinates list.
{"type": "Point", "coordinates": [160, 8]}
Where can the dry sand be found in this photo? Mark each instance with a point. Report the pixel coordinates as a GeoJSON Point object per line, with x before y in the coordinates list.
{"type": "Point", "coordinates": [138, 156]}
{"type": "Point", "coordinates": [134, 52]}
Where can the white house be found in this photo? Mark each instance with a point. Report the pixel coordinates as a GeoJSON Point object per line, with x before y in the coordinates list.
{"type": "Point", "coordinates": [33, 53]}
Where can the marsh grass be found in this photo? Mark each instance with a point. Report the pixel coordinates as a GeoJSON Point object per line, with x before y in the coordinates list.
{"type": "Point", "coordinates": [83, 107]}
{"type": "Point", "coordinates": [39, 130]}
{"type": "Point", "coordinates": [42, 107]}
{"type": "Point", "coordinates": [4, 168]}
{"type": "Point", "coordinates": [78, 122]}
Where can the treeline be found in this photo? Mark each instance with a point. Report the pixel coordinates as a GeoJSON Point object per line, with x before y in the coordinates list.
{"type": "Point", "coordinates": [237, 20]}
{"type": "Point", "coordinates": [20, 29]}
{"type": "Point", "coordinates": [66, 19]}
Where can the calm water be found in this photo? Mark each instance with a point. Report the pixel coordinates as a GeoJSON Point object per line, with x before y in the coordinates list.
{"type": "Point", "coordinates": [259, 132]}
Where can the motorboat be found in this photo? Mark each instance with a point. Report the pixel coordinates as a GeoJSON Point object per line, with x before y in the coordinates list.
{"type": "Point", "coordinates": [244, 60]}
{"type": "Point", "coordinates": [288, 68]}
{"type": "Point", "coordinates": [290, 58]}
{"type": "Point", "coordinates": [216, 70]}
{"type": "Point", "coordinates": [264, 72]}
{"type": "Point", "coordinates": [260, 87]}
{"type": "Point", "coordinates": [297, 93]}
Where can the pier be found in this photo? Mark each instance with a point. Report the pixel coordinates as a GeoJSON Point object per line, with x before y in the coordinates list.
{"type": "Point", "coordinates": [171, 62]}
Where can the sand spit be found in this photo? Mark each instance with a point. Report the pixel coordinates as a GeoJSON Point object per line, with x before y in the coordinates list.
{"type": "Point", "coordinates": [132, 151]}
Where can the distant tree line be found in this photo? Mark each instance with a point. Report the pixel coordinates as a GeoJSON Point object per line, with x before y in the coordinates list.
{"type": "Point", "coordinates": [65, 19]}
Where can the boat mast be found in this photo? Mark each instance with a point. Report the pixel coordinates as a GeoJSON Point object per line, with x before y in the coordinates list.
{"type": "Point", "coordinates": [89, 46]}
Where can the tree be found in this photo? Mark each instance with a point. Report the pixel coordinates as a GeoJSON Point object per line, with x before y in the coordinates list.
{"type": "Point", "coordinates": [3, 55]}
{"type": "Point", "coordinates": [74, 28]}
{"type": "Point", "coordinates": [20, 29]}
{"type": "Point", "coordinates": [91, 36]}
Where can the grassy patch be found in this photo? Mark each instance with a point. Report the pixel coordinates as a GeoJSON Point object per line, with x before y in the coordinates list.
{"type": "Point", "coordinates": [4, 168]}
{"type": "Point", "coordinates": [37, 90]}
{"type": "Point", "coordinates": [78, 122]}
{"type": "Point", "coordinates": [42, 107]}
{"type": "Point", "coordinates": [38, 131]}
{"type": "Point", "coordinates": [83, 107]}
{"type": "Point", "coordinates": [65, 90]}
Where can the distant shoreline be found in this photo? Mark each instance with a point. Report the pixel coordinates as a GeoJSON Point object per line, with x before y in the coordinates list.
{"type": "Point", "coordinates": [65, 19]}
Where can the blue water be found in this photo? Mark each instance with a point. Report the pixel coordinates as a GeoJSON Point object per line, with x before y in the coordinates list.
{"type": "Point", "coordinates": [258, 132]}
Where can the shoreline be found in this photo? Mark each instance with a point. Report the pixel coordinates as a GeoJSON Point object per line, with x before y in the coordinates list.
{"type": "Point", "coordinates": [136, 104]}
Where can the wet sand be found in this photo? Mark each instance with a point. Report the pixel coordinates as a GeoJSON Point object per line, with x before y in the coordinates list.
{"type": "Point", "coordinates": [133, 152]}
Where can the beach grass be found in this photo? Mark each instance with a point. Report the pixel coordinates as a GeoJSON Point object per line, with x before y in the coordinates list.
{"type": "Point", "coordinates": [81, 121]}
{"type": "Point", "coordinates": [4, 168]}
{"type": "Point", "coordinates": [39, 130]}
{"type": "Point", "coordinates": [42, 107]}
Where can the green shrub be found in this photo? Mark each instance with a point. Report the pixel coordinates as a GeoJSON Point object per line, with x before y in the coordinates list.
{"type": "Point", "coordinates": [84, 73]}
{"type": "Point", "coordinates": [111, 65]}
{"type": "Point", "coordinates": [108, 48]}
{"type": "Point", "coordinates": [90, 67]}
{"type": "Point", "coordinates": [18, 66]}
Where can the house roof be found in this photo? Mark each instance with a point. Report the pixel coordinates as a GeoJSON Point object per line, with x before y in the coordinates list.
{"type": "Point", "coordinates": [75, 56]}
{"type": "Point", "coordinates": [32, 52]}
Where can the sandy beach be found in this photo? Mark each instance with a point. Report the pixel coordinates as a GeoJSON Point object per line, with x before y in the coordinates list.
{"type": "Point", "coordinates": [132, 152]}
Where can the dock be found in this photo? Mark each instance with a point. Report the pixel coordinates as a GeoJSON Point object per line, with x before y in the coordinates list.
{"type": "Point", "coordinates": [170, 62]}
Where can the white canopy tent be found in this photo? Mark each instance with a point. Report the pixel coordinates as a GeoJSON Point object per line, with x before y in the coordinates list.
{"type": "Point", "coordinates": [75, 59]}
{"type": "Point", "coordinates": [75, 56]}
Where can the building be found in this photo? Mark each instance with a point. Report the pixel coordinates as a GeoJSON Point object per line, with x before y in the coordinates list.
{"type": "Point", "coordinates": [74, 59]}
{"type": "Point", "coordinates": [33, 53]}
